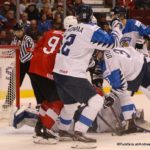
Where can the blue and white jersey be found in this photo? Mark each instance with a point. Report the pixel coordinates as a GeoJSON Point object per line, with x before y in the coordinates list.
{"type": "Point", "coordinates": [121, 65]}
{"type": "Point", "coordinates": [78, 45]}
{"type": "Point", "coordinates": [133, 31]}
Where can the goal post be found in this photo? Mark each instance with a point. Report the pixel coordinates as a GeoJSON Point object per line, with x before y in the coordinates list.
{"type": "Point", "coordinates": [9, 76]}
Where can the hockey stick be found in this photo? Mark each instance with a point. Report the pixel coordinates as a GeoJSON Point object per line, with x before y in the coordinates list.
{"type": "Point", "coordinates": [116, 131]}
{"type": "Point", "coordinates": [114, 113]}
{"type": "Point", "coordinates": [116, 117]}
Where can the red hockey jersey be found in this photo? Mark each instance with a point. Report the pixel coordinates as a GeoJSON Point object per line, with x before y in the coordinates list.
{"type": "Point", "coordinates": [45, 52]}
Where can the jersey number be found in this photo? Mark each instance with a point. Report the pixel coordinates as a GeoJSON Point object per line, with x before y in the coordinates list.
{"type": "Point", "coordinates": [52, 43]}
{"type": "Point", "coordinates": [122, 52]}
{"type": "Point", "coordinates": [69, 41]}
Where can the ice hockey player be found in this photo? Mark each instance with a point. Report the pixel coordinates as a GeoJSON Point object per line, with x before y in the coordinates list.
{"type": "Point", "coordinates": [134, 32]}
{"type": "Point", "coordinates": [41, 68]}
{"type": "Point", "coordinates": [126, 70]}
{"type": "Point", "coordinates": [78, 44]}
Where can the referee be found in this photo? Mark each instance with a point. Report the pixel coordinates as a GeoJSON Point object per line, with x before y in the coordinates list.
{"type": "Point", "coordinates": [26, 46]}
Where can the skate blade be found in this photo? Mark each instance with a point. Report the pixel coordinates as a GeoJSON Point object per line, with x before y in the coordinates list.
{"type": "Point", "coordinates": [40, 140]}
{"type": "Point", "coordinates": [143, 124]}
{"type": "Point", "coordinates": [65, 139]}
{"type": "Point", "coordinates": [82, 145]}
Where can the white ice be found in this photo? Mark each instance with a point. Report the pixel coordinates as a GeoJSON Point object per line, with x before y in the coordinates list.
{"type": "Point", "coordinates": [21, 139]}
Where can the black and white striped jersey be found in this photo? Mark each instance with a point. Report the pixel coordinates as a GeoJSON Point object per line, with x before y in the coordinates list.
{"type": "Point", "coordinates": [26, 46]}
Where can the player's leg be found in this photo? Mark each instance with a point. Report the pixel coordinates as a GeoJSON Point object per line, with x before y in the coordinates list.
{"type": "Point", "coordinates": [49, 110]}
{"type": "Point", "coordinates": [82, 91]}
{"type": "Point", "coordinates": [66, 115]}
{"type": "Point", "coordinates": [129, 113]}
{"type": "Point", "coordinates": [36, 89]}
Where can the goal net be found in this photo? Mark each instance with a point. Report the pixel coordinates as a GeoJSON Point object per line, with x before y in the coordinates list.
{"type": "Point", "coordinates": [9, 80]}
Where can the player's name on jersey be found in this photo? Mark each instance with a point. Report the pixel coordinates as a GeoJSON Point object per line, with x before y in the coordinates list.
{"type": "Point", "coordinates": [76, 29]}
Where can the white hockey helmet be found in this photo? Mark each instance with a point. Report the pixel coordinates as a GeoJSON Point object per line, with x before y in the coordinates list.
{"type": "Point", "coordinates": [94, 20]}
{"type": "Point", "coordinates": [69, 21]}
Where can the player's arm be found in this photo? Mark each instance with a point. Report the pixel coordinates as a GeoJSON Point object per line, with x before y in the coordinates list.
{"type": "Point", "coordinates": [30, 45]}
{"type": "Point", "coordinates": [118, 88]}
{"type": "Point", "coordinates": [27, 49]}
{"type": "Point", "coordinates": [118, 82]}
{"type": "Point", "coordinates": [142, 29]}
{"type": "Point", "coordinates": [103, 40]}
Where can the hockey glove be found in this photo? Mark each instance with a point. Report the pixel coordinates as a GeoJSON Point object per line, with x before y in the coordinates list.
{"type": "Point", "coordinates": [108, 101]}
{"type": "Point", "coordinates": [116, 23]}
{"type": "Point", "coordinates": [139, 44]}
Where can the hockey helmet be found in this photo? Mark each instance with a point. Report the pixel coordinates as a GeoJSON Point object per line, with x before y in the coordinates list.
{"type": "Point", "coordinates": [18, 26]}
{"type": "Point", "coordinates": [120, 11]}
{"type": "Point", "coordinates": [69, 21]}
{"type": "Point", "coordinates": [84, 13]}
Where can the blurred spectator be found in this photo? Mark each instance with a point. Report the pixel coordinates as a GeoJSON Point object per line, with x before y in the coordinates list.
{"type": "Point", "coordinates": [4, 39]}
{"type": "Point", "coordinates": [41, 3]}
{"type": "Point", "coordinates": [13, 5]}
{"type": "Point", "coordinates": [142, 4]}
{"type": "Point", "coordinates": [106, 27]}
{"type": "Point", "coordinates": [77, 3]}
{"type": "Point", "coordinates": [11, 20]}
{"type": "Point", "coordinates": [101, 19]}
{"type": "Point", "coordinates": [5, 8]}
{"type": "Point", "coordinates": [58, 22]}
{"type": "Point", "coordinates": [23, 5]}
{"type": "Point", "coordinates": [58, 11]}
{"type": "Point", "coordinates": [70, 12]}
{"type": "Point", "coordinates": [24, 20]}
{"type": "Point", "coordinates": [70, 3]}
{"type": "Point", "coordinates": [129, 4]}
{"type": "Point", "coordinates": [57, 2]}
{"type": "Point", "coordinates": [3, 21]}
{"type": "Point", "coordinates": [47, 10]}
{"type": "Point", "coordinates": [32, 30]}
{"type": "Point", "coordinates": [32, 12]}
{"type": "Point", "coordinates": [44, 24]}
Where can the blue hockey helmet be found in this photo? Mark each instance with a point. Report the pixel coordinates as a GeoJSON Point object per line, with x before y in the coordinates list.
{"type": "Point", "coordinates": [84, 13]}
{"type": "Point", "coordinates": [119, 9]}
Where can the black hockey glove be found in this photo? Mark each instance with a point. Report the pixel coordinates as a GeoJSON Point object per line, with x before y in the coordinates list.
{"type": "Point", "coordinates": [139, 44]}
{"type": "Point", "coordinates": [108, 102]}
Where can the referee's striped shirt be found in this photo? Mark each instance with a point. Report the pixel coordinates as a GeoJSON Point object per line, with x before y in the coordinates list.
{"type": "Point", "coordinates": [26, 48]}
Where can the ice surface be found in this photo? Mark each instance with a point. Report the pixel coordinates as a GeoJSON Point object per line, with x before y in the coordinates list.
{"type": "Point", "coordinates": [21, 139]}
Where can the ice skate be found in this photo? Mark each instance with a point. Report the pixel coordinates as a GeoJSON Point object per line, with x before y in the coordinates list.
{"type": "Point", "coordinates": [38, 129]}
{"type": "Point", "coordinates": [131, 127]}
{"type": "Point", "coordinates": [47, 137]}
{"type": "Point", "coordinates": [65, 135]}
{"type": "Point", "coordinates": [83, 142]}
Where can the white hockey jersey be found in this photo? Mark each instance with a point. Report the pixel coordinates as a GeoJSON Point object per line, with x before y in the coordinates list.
{"type": "Point", "coordinates": [78, 45]}
{"type": "Point", "coordinates": [133, 31]}
{"type": "Point", "coordinates": [121, 65]}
